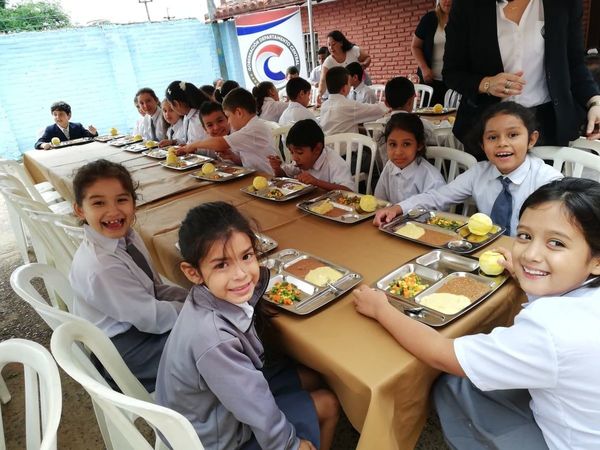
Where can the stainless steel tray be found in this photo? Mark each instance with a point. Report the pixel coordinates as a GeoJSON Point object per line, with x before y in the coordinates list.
{"type": "Point", "coordinates": [125, 140]}
{"type": "Point", "coordinates": [341, 212]}
{"type": "Point", "coordinates": [265, 243]}
{"type": "Point", "coordinates": [187, 162]}
{"type": "Point", "coordinates": [223, 172]}
{"type": "Point", "coordinates": [312, 297]}
{"type": "Point", "coordinates": [437, 268]}
{"type": "Point", "coordinates": [156, 153]}
{"type": "Point", "coordinates": [78, 141]}
{"type": "Point", "coordinates": [137, 147]}
{"type": "Point", "coordinates": [288, 188]}
{"type": "Point", "coordinates": [428, 111]}
{"type": "Point", "coordinates": [108, 137]}
{"type": "Point", "coordinates": [460, 241]}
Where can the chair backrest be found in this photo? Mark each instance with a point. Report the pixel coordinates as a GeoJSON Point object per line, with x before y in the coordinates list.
{"type": "Point", "coordinates": [13, 185]}
{"type": "Point", "coordinates": [423, 96]}
{"type": "Point", "coordinates": [375, 131]}
{"type": "Point", "coordinates": [583, 143]}
{"type": "Point", "coordinates": [71, 229]}
{"type": "Point", "coordinates": [452, 99]}
{"type": "Point", "coordinates": [571, 161]}
{"type": "Point", "coordinates": [379, 91]}
{"type": "Point", "coordinates": [17, 170]}
{"type": "Point", "coordinates": [347, 144]}
{"type": "Point", "coordinates": [314, 94]}
{"type": "Point", "coordinates": [61, 240]}
{"type": "Point", "coordinates": [279, 134]}
{"type": "Point", "coordinates": [43, 394]}
{"type": "Point", "coordinates": [118, 408]}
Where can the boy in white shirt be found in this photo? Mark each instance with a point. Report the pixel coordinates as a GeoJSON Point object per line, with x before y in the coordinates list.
{"type": "Point", "coordinates": [360, 91]}
{"type": "Point", "coordinates": [315, 74]}
{"type": "Point", "coordinates": [313, 163]}
{"type": "Point", "coordinates": [251, 138]}
{"type": "Point", "coordinates": [340, 114]}
{"type": "Point", "coordinates": [214, 121]}
{"type": "Point", "coordinates": [298, 91]}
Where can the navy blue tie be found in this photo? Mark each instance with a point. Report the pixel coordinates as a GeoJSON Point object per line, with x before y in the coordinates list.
{"type": "Point", "coordinates": [502, 209]}
{"type": "Point", "coordinates": [139, 259]}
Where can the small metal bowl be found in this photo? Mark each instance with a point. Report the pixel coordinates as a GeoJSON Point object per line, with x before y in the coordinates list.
{"type": "Point", "coordinates": [460, 245]}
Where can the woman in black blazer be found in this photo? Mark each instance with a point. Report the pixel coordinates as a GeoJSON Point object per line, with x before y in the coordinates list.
{"type": "Point", "coordinates": [473, 66]}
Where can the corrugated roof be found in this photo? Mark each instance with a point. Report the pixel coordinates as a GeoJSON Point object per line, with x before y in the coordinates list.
{"type": "Point", "coordinates": [232, 8]}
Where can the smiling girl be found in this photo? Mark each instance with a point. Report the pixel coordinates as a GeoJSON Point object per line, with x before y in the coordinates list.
{"type": "Point", "coordinates": [115, 286]}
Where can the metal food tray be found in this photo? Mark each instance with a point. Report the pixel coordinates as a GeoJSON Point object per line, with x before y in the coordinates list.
{"type": "Point", "coordinates": [352, 215]}
{"type": "Point", "coordinates": [437, 268]}
{"type": "Point", "coordinates": [137, 148]}
{"type": "Point", "coordinates": [265, 243]}
{"type": "Point", "coordinates": [279, 183]}
{"type": "Point", "coordinates": [125, 140]}
{"type": "Point", "coordinates": [108, 137]}
{"type": "Point", "coordinates": [156, 153]}
{"type": "Point", "coordinates": [428, 111]}
{"type": "Point", "coordinates": [187, 161]}
{"type": "Point", "coordinates": [78, 141]}
{"type": "Point", "coordinates": [464, 242]}
{"type": "Point", "coordinates": [220, 174]}
{"type": "Point", "coordinates": [313, 297]}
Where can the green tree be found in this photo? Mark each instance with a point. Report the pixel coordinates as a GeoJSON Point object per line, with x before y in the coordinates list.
{"type": "Point", "coordinates": [34, 16]}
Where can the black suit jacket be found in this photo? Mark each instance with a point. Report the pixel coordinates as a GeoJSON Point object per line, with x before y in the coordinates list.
{"type": "Point", "coordinates": [76, 131]}
{"type": "Point", "coordinates": [472, 52]}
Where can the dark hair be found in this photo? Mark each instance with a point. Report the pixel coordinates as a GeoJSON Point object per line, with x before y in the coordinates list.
{"type": "Point", "coordinates": [60, 106]}
{"type": "Point", "coordinates": [98, 170]}
{"type": "Point", "coordinates": [209, 108]}
{"type": "Point", "coordinates": [336, 78]}
{"type": "Point", "coordinates": [292, 70]}
{"type": "Point", "coordinates": [208, 89]}
{"type": "Point", "coordinates": [147, 90]}
{"type": "Point", "coordinates": [260, 92]}
{"type": "Point", "coordinates": [305, 133]}
{"type": "Point", "coordinates": [355, 69]}
{"type": "Point", "coordinates": [323, 51]}
{"type": "Point", "coordinates": [135, 101]}
{"type": "Point", "coordinates": [295, 86]}
{"type": "Point", "coordinates": [217, 82]}
{"type": "Point", "coordinates": [186, 93]}
{"type": "Point", "coordinates": [509, 108]}
{"type": "Point", "coordinates": [339, 37]}
{"type": "Point", "coordinates": [411, 123]}
{"type": "Point", "coordinates": [239, 98]}
{"type": "Point", "coordinates": [397, 91]}
{"type": "Point", "coordinates": [226, 88]}
{"type": "Point", "coordinates": [580, 198]}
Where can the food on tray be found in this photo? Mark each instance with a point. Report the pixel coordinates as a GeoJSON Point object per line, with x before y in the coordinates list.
{"type": "Point", "coordinates": [158, 153]}
{"type": "Point", "coordinates": [150, 144]}
{"type": "Point", "coordinates": [208, 168]}
{"type": "Point", "coordinates": [55, 141]}
{"type": "Point", "coordinates": [437, 108]}
{"type": "Point", "coordinates": [465, 286]}
{"type": "Point", "coordinates": [444, 222]}
{"type": "Point", "coordinates": [489, 262]}
{"type": "Point", "coordinates": [323, 275]}
{"type": "Point", "coordinates": [292, 186]}
{"type": "Point", "coordinates": [114, 131]}
{"type": "Point", "coordinates": [410, 230]}
{"type": "Point", "coordinates": [322, 207]}
{"type": "Point", "coordinates": [368, 203]}
{"type": "Point", "coordinates": [407, 286]}
{"type": "Point", "coordinates": [260, 183]}
{"type": "Point", "coordinates": [480, 224]}
{"type": "Point", "coordinates": [172, 159]}
{"type": "Point", "coordinates": [348, 200]}
{"type": "Point", "coordinates": [445, 303]}
{"type": "Point", "coordinates": [451, 119]}
{"type": "Point", "coordinates": [431, 237]}
{"type": "Point", "coordinates": [303, 266]}
{"type": "Point", "coordinates": [274, 193]}
{"type": "Point", "coordinates": [284, 293]}
{"type": "Point", "coordinates": [137, 137]}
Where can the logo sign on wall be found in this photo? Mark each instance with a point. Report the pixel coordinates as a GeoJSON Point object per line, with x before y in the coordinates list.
{"type": "Point", "coordinates": [270, 42]}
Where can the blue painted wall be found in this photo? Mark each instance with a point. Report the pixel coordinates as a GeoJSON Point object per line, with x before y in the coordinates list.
{"type": "Point", "coordinates": [97, 70]}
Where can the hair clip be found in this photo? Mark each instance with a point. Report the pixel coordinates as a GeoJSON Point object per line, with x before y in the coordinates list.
{"type": "Point", "coordinates": [182, 85]}
{"type": "Point", "coordinates": [169, 91]}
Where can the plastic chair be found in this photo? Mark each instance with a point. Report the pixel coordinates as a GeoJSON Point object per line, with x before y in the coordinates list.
{"type": "Point", "coordinates": [423, 96]}
{"type": "Point", "coordinates": [586, 144]}
{"type": "Point", "coordinates": [43, 394]}
{"type": "Point", "coordinates": [356, 143]}
{"type": "Point", "coordinates": [41, 191]}
{"type": "Point", "coordinates": [379, 91]}
{"type": "Point", "coordinates": [17, 225]}
{"type": "Point", "coordinates": [375, 131]}
{"type": "Point", "coordinates": [314, 94]}
{"type": "Point", "coordinates": [279, 134]}
{"type": "Point", "coordinates": [451, 163]}
{"type": "Point", "coordinates": [452, 99]}
{"type": "Point", "coordinates": [120, 410]}
{"type": "Point", "coordinates": [572, 162]}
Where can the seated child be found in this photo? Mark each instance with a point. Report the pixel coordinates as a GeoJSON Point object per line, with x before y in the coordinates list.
{"type": "Point", "coordinates": [313, 162]}
{"type": "Point", "coordinates": [153, 125]}
{"type": "Point", "coordinates": [62, 128]}
{"type": "Point", "coordinates": [406, 172]}
{"type": "Point", "coordinates": [251, 138]}
{"type": "Point", "coordinates": [532, 385]}
{"type": "Point", "coordinates": [268, 106]}
{"type": "Point", "coordinates": [115, 285]}
{"type": "Point", "coordinates": [315, 74]}
{"type": "Point", "coordinates": [499, 185]}
{"type": "Point", "coordinates": [226, 88]}
{"type": "Point", "coordinates": [209, 90]}
{"type": "Point", "coordinates": [340, 114]}
{"type": "Point", "coordinates": [137, 129]}
{"type": "Point", "coordinates": [186, 99]}
{"type": "Point", "coordinates": [174, 133]}
{"type": "Point", "coordinates": [360, 91]}
{"type": "Point", "coordinates": [215, 124]}
{"type": "Point", "coordinates": [291, 73]}
{"type": "Point", "coordinates": [298, 91]}
{"type": "Point", "coordinates": [214, 368]}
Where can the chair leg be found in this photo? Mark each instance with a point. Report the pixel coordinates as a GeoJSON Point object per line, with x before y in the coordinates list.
{"type": "Point", "coordinates": [4, 393]}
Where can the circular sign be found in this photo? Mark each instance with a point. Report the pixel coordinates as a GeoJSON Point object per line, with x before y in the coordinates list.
{"type": "Point", "coordinates": [268, 58]}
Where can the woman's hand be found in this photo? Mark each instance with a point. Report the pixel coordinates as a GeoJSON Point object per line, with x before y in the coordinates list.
{"type": "Point", "coordinates": [593, 126]}
{"type": "Point", "coordinates": [385, 215]}
{"type": "Point", "coordinates": [503, 85]}
{"type": "Point", "coordinates": [369, 302]}
{"type": "Point", "coordinates": [306, 445]}
{"type": "Point", "coordinates": [427, 74]}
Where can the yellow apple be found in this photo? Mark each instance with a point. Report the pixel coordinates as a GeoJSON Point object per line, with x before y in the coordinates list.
{"type": "Point", "coordinates": [368, 203]}
{"type": "Point", "coordinates": [480, 224]}
{"type": "Point", "coordinates": [114, 131]}
{"type": "Point", "coordinates": [208, 168]}
{"type": "Point", "coordinates": [260, 183]}
{"type": "Point", "coordinates": [55, 141]}
{"type": "Point", "coordinates": [489, 262]}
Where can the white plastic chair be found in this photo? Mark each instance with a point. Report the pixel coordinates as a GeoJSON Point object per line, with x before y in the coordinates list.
{"type": "Point", "coordinates": [43, 394]}
{"type": "Point", "coordinates": [451, 163]}
{"type": "Point", "coordinates": [375, 131]}
{"type": "Point", "coordinates": [452, 99]}
{"type": "Point", "coordinates": [120, 410]}
{"type": "Point", "coordinates": [41, 191]}
{"type": "Point", "coordinates": [279, 134]}
{"type": "Point", "coordinates": [423, 96]}
{"type": "Point", "coordinates": [572, 162]}
{"type": "Point", "coordinates": [347, 144]}
{"type": "Point", "coordinates": [314, 94]}
{"type": "Point", "coordinates": [17, 225]}
{"type": "Point", "coordinates": [586, 144]}
{"type": "Point", "coordinates": [379, 91]}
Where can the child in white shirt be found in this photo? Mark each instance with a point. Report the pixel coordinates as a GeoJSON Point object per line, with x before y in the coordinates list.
{"type": "Point", "coordinates": [268, 106]}
{"type": "Point", "coordinates": [298, 91]}
{"type": "Point", "coordinates": [174, 133]}
{"type": "Point", "coordinates": [360, 92]}
{"type": "Point", "coordinates": [186, 100]}
{"type": "Point", "coordinates": [153, 126]}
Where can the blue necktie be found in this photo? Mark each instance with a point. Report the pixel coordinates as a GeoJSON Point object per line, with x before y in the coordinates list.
{"type": "Point", "coordinates": [502, 209]}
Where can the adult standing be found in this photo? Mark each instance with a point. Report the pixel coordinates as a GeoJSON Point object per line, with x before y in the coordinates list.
{"type": "Point", "coordinates": [529, 51]}
{"type": "Point", "coordinates": [428, 48]}
{"type": "Point", "coordinates": [342, 52]}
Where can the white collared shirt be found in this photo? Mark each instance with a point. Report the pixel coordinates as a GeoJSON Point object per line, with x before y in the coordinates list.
{"type": "Point", "coordinates": [482, 182]}
{"type": "Point", "coordinates": [295, 112]}
{"type": "Point", "coordinates": [272, 110]}
{"type": "Point", "coordinates": [363, 94]}
{"type": "Point", "coordinates": [342, 115]}
{"type": "Point", "coordinates": [159, 126]}
{"type": "Point", "coordinates": [553, 350]}
{"type": "Point", "coordinates": [192, 127]}
{"type": "Point", "coordinates": [253, 144]}
{"type": "Point", "coordinates": [329, 167]}
{"type": "Point", "coordinates": [522, 47]}
{"type": "Point", "coordinates": [396, 184]}
{"type": "Point", "coordinates": [65, 131]}
{"type": "Point", "coordinates": [315, 75]}
{"type": "Point", "coordinates": [247, 308]}
{"type": "Point", "coordinates": [114, 293]}
{"type": "Point", "coordinates": [175, 132]}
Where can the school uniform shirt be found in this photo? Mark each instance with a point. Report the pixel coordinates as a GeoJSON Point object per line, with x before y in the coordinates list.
{"type": "Point", "coordinates": [483, 183]}
{"type": "Point", "coordinates": [137, 129]}
{"type": "Point", "coordinates": [295, 112]}
{"type": "Point", "coordinates": [153, 126]}
{"type": "Point", "coordinates": [272, 110]}
{"type": "Point", "coordinates": [210, 372]}
{"type": "Point", "coordinates": [342, 115]}
{"type": "Point", "coordinates": [363, 94]}
{"type": "Point", "coordinates": [114, 293]}
{"type": "Point", "coordinates": [315, 75]}
{"type": "Point", "coordinates": [396, 184]}
{"type": "Point", "coordinates": [253, 144]}
{"type": "Point", "coordinates": [553, 350]}
{"type": "Point", "coordinates": [329, 167]}
{"type": "Point", "coordinates": [192, 127]}
{"type": "Point", "coordinates": [175, 132]}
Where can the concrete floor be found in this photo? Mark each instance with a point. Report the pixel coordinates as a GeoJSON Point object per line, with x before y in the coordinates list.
{"type": "Point", "coordinates": [78, 429]}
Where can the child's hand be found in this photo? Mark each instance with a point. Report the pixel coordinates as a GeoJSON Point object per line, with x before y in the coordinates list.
{"type": "Point", "coordinates": [307, 178]}
{"type": "Point", "coordinates": [165, 143]}
{"type": "Point", "coordinates": [507, 263]}
{"type": "Point", "coordinates": [93, 129]}
{"type": "Point", "coordinates": [46, 146]}
{"type": "Point", "coordinates": [275, 162]}
{"type": "Point", "coordinates": [368, 301]}
{"type": "Point", "coordinates": [385, 215]}
{"type": "Point", "coordinates": [306, 445]}
{"type": "Point", "coordinates": [184, 150]}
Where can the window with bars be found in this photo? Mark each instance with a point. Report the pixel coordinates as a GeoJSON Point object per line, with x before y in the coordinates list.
{"type": "Point", "coordinates": [306, 38]}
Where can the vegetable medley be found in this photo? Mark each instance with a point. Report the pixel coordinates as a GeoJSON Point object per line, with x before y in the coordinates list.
{"type": "Point", "coordinates": [408, 286]}
{"type": "Point", "coordinates": [284, 293]}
